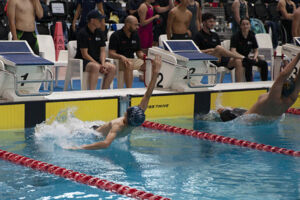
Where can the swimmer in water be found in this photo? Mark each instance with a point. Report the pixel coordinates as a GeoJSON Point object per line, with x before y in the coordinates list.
{"type": "Point", "coordinates": [283, 94]}
{"type": "Point", "coordinates": [133, 117]}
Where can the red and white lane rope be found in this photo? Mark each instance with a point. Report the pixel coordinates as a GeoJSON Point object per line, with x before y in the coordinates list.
{"type": "Point", "coordinates": [79, 177]}
{"type": "Point", "coordinates": [220, 139]}
{"type": "Point", "coordinates": [293, 111]}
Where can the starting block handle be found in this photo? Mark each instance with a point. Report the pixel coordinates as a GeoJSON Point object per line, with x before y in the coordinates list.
{"type": "Point", "coordinates": [30, 81]}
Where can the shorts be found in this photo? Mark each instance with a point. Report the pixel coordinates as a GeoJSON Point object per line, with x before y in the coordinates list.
{"type": "Point", "coordinates": [31, 39]}
{"type": "Point", "coordinates": [85, 62]}
{"type": "Point", "coordinates": [184, 36]}
{"type": "Point", "coordinates": [137, 63]}
{"type": "Point", "coordinates": [223, 63]}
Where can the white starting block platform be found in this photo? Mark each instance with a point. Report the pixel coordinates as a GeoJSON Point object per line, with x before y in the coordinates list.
{"type": "Point", "coordinates": [183, 66]}
{"type": "Point", "coordinates": [21, 71]}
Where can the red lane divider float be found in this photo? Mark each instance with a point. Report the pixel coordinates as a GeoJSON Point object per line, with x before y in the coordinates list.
{"type": "Point", "coordinates": [79, 177]}
{"type": "Point", "coordinates": [220, 138]}
{"type": "Point", "coordinates": [293, 111]}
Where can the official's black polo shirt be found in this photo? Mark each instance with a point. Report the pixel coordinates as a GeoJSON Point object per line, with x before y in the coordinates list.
{"type": "Point", "coordinates": [123, 45]}
{"type": "Point", "coordinates": [92, 41]}
{"type": "Point", "coordinates": [206, 41]}
{"type": "Point", "coordinates": [243, 45]}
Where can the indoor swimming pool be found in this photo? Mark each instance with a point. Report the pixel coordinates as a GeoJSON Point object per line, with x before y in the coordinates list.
{"type": "Point", "coordinates": [170, 165]}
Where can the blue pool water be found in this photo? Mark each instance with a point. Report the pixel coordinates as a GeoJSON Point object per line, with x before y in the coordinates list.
{"type": "Point", "coordinates": [174, 166]}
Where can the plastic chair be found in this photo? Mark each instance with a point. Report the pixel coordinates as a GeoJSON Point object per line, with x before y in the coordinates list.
{"type": "Point", "coordinates": [47, 51]}
{"type": "Point", "coordinates": [265, 47]}
{"type": "Point", "coordinates": [75, 69]}
{"type": "Point", "coordinates": [222, 70]}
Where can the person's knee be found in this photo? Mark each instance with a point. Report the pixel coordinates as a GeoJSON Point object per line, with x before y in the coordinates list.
{"type": "Point", "coordinates": [92, 67]}
{"type": "Point", "coordinates": [112, 68]}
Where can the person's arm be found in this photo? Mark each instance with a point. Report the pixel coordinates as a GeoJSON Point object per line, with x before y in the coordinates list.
{"type": "Point", "coordinates": [296, 23]}
{"type": "Point", "coordinates": [86, 55]}
{"type": "Point", "coordinates": [142, 11]}
{"type": "Point", "coordinates": [38, 9]}
{"type": "Point", "coordinates": [156, 65]}
{"type": "Point", "coordinates": [102, 55]}
{"type": "Point", "coordinates": [171, 17]}
{"type": "Point", "coordinates": [11, 14]}
{"type": "Point", "coordinates": [199, 17]}
{"type": "Point", "coordinates": [102, 144]}
{"type": "Point", "coordinates": [76, 16]}
{"type": "Point", "coordinates": [281, 8]}
{"type": "Point", "coordinates": [255, 54]}
{"type": "Point", "coordinates": [236, 11]}
{"type": "Point", "coordinates": [276, 88]}
{"type": "Point", "coordinates": [100, 7]}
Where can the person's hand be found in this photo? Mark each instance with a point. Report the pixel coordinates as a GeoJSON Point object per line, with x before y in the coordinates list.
{"type": "Point", "coordinates": [156, 64]}
{"type": "Point", "coordinates": [103, 69]}
{"type": "Point", "coordinates": [189, 33]}
{"type": "Point", "coordinates": [156, 16]}
{"type": "Point", "coordinates": [126, 61]}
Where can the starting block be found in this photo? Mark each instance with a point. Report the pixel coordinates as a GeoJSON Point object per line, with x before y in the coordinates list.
{"type": "Point", "coordinates": [21, 71]}
{"type": "Point", "coordinates": [183, 66]}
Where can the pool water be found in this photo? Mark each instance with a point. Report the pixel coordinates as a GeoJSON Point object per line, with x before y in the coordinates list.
{"type": "Point", "coordinates": [174, 166]}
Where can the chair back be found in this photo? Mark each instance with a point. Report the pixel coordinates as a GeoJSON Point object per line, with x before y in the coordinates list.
{"type": "Point", "coordinates": [72, 48]}
{"type": "Point", "coordinates": [46, 47]}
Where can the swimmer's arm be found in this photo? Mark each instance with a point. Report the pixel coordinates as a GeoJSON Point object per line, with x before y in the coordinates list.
{"type": "Point", "coordinates": [156, 65]}
{"type": "Point", "coordinates": [278, 84]}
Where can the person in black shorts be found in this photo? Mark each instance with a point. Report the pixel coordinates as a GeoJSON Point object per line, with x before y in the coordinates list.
{"type": "Point", "coordinates": [209, 42]}
{"type": "Point", "coordinates": [91, 48]}
{"type": "Point", "coordinates": [244, 42]}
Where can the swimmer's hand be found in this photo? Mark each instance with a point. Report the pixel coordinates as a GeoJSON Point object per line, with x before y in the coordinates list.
{"type": "Point", "coordinates": [72, 148]}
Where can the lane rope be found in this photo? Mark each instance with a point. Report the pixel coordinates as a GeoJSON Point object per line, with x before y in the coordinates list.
{"type": "Point", "coordinates": [220, 138]}
{"type": "Point", "coordinates": [294, 111]}
{"type": "Point", "coordinates": [79, 177]}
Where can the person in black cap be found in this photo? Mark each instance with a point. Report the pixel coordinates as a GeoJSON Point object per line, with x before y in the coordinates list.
{"type": "Point", "coordinates": [133, 117]}
{"type": "Point", "coordinates": [283, 94]}
{"type": "Point", "coordinates": [91, 48]}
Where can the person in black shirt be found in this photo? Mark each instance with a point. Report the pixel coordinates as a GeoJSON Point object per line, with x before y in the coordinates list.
{"type": "Point", "coordinates": [132, 7]}
{"type": "Point", "coordinates": [91, 48]}
{"type": "Point", "coordinates": [209, 42]}
{"type": "Point", "coordinates": [244, 42]}
{"type": "Point", "coordinates": [122, 46]}
{"type": "Point", "coordinates": [161, 7]}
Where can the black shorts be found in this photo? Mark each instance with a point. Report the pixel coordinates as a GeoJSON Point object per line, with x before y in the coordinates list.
{"type": "Point", "coordinates": [184, 36]}
{"type": "Point", "coordinates": [223, 63]}
{"type": "Point", "coordinates": [31, 39]}
{"type": "Point", "coordinates": [85, 62]}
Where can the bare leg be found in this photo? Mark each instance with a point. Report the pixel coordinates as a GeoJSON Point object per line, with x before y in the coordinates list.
{"type": "Point", "coordinates": [109, 77]}
{"type": "Point", "coordinates": [128, 77]}
{"type": "Point", "coordinates": [220, 51]}
{"type": "Point", "coordinates": [93, 70]}
{"type": "Point", "coordinates": [239, 71]}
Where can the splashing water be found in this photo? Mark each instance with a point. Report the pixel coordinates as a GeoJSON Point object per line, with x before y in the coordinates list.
{"type": "Point", "coordinates": [66, 130]}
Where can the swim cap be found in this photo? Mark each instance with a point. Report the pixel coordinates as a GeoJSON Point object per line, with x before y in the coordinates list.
{"type": "Point", "coordinates": [231, 114]}
{"type": "Point", "coordinates": [288, 87]}
{"type": "Point", "coordinates": [135, 116]}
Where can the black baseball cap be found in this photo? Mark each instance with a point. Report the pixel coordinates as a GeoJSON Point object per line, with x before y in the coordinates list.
{"type": "Point", "coordinates": [95, 14]}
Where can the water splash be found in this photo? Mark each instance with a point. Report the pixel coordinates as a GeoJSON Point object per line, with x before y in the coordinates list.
{"type": "Point", "coordinates": [65, 130]}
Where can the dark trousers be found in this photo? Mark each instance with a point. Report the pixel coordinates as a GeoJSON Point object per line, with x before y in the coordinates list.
{"type": "Point", "coordinates": [263, 65]}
